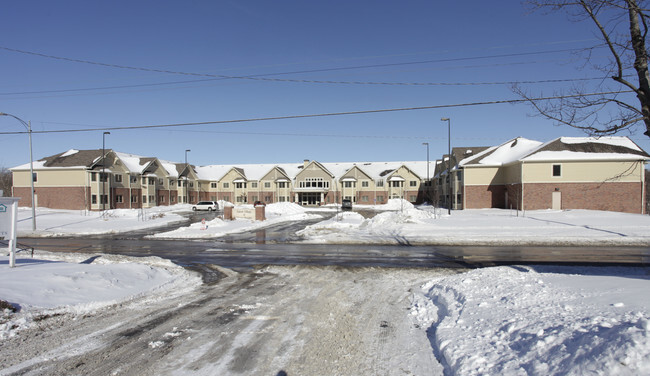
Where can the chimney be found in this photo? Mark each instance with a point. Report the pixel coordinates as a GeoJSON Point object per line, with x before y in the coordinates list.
{"type": "Point", "coordinates": [305, 163]}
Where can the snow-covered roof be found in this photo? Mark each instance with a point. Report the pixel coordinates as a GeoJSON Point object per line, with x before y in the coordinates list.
{"type": "Point", "coordinates": [503, 154]}
{"type": "Point", "coordinates": [588, 148]}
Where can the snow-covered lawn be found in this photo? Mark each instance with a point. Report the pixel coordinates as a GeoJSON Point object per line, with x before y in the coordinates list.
{"type": "Point", "coordinates": [56, 222]}
{"type": "Point", "coordinates": [426, 225]}
{"type": "Point", "coordinates": [542, 320]}
{"type": "Point", "coordinates": [56, 283]}
{"type": "Point", "coordinates": [275, 213]}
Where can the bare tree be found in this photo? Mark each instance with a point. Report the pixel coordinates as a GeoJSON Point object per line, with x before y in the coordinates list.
{"type": "Point", "coordinates": [621, 26]}
{"type": "Point", "coordinates": [5, 181]}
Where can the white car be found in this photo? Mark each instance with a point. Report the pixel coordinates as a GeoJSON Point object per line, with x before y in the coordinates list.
{"type": "Point", "coordinates": [206, 205]}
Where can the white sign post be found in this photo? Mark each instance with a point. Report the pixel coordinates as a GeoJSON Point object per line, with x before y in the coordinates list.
{"type": "Point", "coordinates": [8, 221]}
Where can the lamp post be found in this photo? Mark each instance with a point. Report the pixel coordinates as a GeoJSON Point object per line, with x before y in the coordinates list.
{"type": "Point", "coordinates": [102, 199]}
{"type": "Point", "coordinates": [187, 185]}
{"type": "Point", "coordinates": [428, 184]}
{"type": "Point", "coordinates": [448, 120]}
{"type": "Point", "coordinates": [28, 126]}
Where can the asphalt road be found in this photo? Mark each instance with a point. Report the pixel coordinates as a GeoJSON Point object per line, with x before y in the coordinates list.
{"type": "Point", "coordinates": [278, 245]}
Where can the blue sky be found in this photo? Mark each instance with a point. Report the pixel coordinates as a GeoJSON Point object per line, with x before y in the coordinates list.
{"type": "Point", "coordinates": [365, 41]}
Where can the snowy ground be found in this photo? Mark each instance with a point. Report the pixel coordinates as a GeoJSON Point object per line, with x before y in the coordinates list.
{"type": "Point", "coordinates": [55, 222]}
{"type": "Point", "coordinates": [542, 320]}
{"type": "Point", "coordinates": [56, 283]}
{"type": "Point", "coordinates": [275, 213]}
{"type": "Point", "coordinates": [426, 225]}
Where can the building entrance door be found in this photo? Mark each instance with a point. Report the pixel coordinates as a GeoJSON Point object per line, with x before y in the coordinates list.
{"type": "Point", "coordinates": [309, 198]}
{"type": "Point", "coordinates": [557, 200]}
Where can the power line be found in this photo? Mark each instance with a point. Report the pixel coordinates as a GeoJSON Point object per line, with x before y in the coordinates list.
{"type": "Point", "coordinates": [288, 117]}
{"type": "Point", "coordinates": [262, 77]}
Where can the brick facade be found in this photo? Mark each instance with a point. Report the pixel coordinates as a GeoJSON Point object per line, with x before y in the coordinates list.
{"type": "Point", "coordinates": [73, 198]}
{"type": "Point", "coordinates": [485, 196]}
{"type": "Point", "coordinates": [620, 197]}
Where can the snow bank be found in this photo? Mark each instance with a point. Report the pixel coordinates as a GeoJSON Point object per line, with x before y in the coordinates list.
{"type": "Point", "coordinates": [539, 320]}
{"type": "Point", "coordinates": [58, 222]}
{"type": "Point", "coordinates": [428, 225]}
{"type": "Point", "coordinates": [54, 284]}
{"type": "Point", "coordinates": [275, 213]}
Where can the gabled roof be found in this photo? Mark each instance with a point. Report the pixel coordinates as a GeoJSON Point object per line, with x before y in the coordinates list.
{"type": "Point", "coordinates": [508, 152]}
{"type": "Point", "coordinates": [587, 148]}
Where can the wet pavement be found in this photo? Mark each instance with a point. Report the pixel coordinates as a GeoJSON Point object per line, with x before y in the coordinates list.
{"type": "Point", "coordinates": [279, 245]}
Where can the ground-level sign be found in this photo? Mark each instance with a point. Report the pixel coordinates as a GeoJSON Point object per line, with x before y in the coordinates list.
{"type": "Point", "coordinates": [8, 221]}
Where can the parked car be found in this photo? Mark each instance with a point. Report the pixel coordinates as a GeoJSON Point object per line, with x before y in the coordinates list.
{"type": "Point", "coordinates": [206, 205]}
{"type": "Point", "coordinates": [346, 204]}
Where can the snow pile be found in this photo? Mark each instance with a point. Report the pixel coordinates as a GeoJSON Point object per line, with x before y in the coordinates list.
{"type": "Point", "coordinates": [59, 222]}
{"type": "Point", "coordinates": [275, 213]}
{"type": "Point", "coordinates": [428, 225]}
{"type": "Point", "coordinates": [539, 320]}
{"type": "Point", "coordinates": [340, 222]}
{"type": "Point", "coordinates": [396, 204]}
{"type": "Point", "coordinates": [56, 284]}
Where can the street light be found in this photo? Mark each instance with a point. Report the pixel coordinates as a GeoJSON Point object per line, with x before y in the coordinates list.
{"type": "Point", "coordinates": [448, 120]}
{"type": "Point", "coordinates": [187, 185]}
{"type": "Point", "coordinates": [428, 184]}
{"type": "Point", "coordinates": [103, 176]}
{"type": "Point", "coordinates": [28, 126]}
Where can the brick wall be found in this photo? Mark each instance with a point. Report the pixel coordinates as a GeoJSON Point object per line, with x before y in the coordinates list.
{"type": "Point", "coordinates": [621, 197]}
{"type": "Point", "coordinates": [485, 196]}
{"type": "Point", "coordinates": [73, 198]}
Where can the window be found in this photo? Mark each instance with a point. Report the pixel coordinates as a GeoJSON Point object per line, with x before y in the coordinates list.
{"type": "Point", "coordinates": [314, 183]}
{"type": "Point", "coordinates": [413, 183]}
{"type": "Point", "coordinates": [380, 198]}
{"type": "Point", "coordinates": [213, 198]}
{"type": "Point", "coordinates": [172, 198]}
{"type": "Point", "coordinates": [191, 184]}
{"type": "Point", "coordinates": [396, 184]}
{"type": "Point", "coordinates": [267, 184]}
{"type": "Point", "coordinates": [413, 198]}
{"type": "Point", "coordinates": [240, 199]}
{"type": "Point", "coordinates": [144, 199]}
{"type": "Point", "coordinates": [364, 184]}
{"type": "Point", "coordinates": [172, 182]}
{"type": "Point", "coordinates": [282, 199]}
{"type": "Point", "coordinates": [103, 176]}
{"type": "Point", "coordinates": [118, 198]}
{"type": "Point", "coordinates": [103, 199]}
{"type": "Point", "coordinates": [161, 199]}
{"type": "Point", "coordinates": [282, 184]}
{"type": "Point", "coordinates": [226, 198]}
{"type": "Point", "coordinates": [254, 185]}
{"type": "Point", "coordinates": [118, 178]}
{"type": "Point", "coordinates": [35, 177]}
{"type": "Point", "coordinates": [161, 182]}
{"type": "Point", "coordinates": [254, 198]}
{"type": "Point", "coordinates": [226, 185]}
{"type": "Point", "coordinates": [134, 199]}
{"type": "Point", "coordinates": [133, 178]}
{"type": "Point", "coordinates": [213, 185]}
{"type": "Point", "coordinates": [93, 176]}
{"type": "Point", "coordinates": [348, 184]}
{"type": "Point", "coordinates": [152, 181]}
{"type": "Point", "coordinates": [380, 183]}
{"type": "Point", "coordinates": [93, 199]}
{"type": "Point", "coordinates": [267, 198]}
{"type": "Point", "coordinates": [144, 181]}
{"type": "Point", "coordinates": [240, 185]}
{"type": "Point", "coordinates": [557, 170]}
{"type": "Point", "coordinates": [364, 198]}
{"type": "Point", "coordinates": [152, 199]}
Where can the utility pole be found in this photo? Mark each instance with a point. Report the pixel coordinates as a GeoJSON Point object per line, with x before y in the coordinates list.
{"type": "Point", "coordinates": [448, 120]}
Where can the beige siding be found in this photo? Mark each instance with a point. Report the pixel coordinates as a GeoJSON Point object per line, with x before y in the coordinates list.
{"type": "Point", "coordinates": [51, 178]}
{"type": "Point", "coordinates": [484, 176]}
{"type": "Point", "coordinates": [575, 172]}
